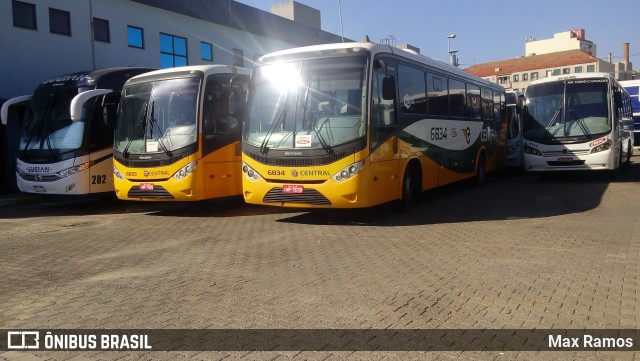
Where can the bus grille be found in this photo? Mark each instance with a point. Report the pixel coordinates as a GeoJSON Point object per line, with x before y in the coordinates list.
{"type": "Point", "coordinates": [565, 164]}
{"type": "Point", "coordinates": [298, 162]}
{"type": "Point", "coordinates": [38, 177]}
{"type": "Point", "coordinates": [560, 153]}
{"type": "Point", "coordinates": [310, 196]}
{"type": "Point", "coordinates": [157, 192]}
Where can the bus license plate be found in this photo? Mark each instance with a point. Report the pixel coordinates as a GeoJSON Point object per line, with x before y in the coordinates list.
{"type": "Point", "coordinates": [146, 186]}
{"type": "Point", "coordinates": [288, 188]}
{"type": "Point", "coordinates": [565, 159]}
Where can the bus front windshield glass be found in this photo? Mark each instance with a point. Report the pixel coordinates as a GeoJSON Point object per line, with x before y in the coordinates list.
{"type": "Point", "coordinates": [158, 116]}
{"type": "Point", "coordinates": [576, 109]}
{"type": "Point", "coordinates": [47, 123]}
{"type": "Point", "coordinates": [311, 104]}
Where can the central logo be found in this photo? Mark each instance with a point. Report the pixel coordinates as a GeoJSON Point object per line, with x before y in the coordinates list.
{"type": "Point", "coordinates": [146, 173]}
{"type": "Point", "coordinates": [294, 173]}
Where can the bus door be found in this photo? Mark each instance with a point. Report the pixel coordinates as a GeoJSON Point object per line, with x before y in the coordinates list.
{"type": "Point", "coordinates": [100, 125]}
{"type": "Point", "coordinates": [385, 175]}
{"type": "Point", "coordinates": [223, 115]}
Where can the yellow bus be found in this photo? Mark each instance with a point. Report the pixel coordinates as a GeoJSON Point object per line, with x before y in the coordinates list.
{"type": "Point", "coordinates": [360, 124]}
{"type": "Point", "coordinates": [178, 134]}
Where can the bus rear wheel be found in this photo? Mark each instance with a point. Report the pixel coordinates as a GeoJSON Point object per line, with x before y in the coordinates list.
{"type": "Point", "coordinates": [481, 170]}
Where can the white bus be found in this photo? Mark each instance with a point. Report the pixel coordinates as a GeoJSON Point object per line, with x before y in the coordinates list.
{"type": "Point", "coordinates": [633, 88]}
{"type": "Point", "coordinates": [66, 140]}
{"type": "Point", "coordinates": [577, 122]}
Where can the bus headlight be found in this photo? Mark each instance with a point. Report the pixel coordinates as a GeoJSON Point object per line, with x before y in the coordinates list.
{"type": "Point", "coordinates": [349, 171]}
{"type": "Point", "coordinates": [530, 150]}
{"type": "Point", "coordinates": [186, 170]}
{"type": "Point", "coordinates": [250, 172]}
{"type": "Point", "coordinates": [601, 147]}
{"type": "Point", "coordinates": [73, 170]}
{"type": "Point", "coordinates": [116, 172]}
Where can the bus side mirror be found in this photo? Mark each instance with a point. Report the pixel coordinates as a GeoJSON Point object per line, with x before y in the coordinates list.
{"type": "Point", "coordinates": [75, 109]}
{"type": "Point", "coordinates": [4, 112]}
{"type": "Point", "coordinates": [238, 94]}
{"type": "Point", "coordinates": [388, 88]}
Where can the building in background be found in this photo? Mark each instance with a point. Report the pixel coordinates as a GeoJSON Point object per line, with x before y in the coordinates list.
{"type": "Point", "coordinates": [566, 53]}
{"type": "Point", "coordinates": [42, 39]}
{"type": "Point", "coordinates": [46, 38]}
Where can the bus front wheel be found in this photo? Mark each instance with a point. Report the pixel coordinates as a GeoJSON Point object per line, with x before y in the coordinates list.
{"type": "Point", "coordinates": [410, 189]}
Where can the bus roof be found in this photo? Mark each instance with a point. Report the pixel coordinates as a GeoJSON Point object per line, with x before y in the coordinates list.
{"type": "Point", "coordinates": [626, 83]}
{"type": "Point", "coordinates": [206, 69]}
{"type": "Point", "coordinates": [572, 76]}
{"type": "Point", "coordinates": [95, 77]}
{"type": "Point", "coordinates": [376, 48]}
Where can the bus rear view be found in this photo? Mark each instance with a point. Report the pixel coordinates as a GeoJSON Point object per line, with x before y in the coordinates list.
{"type": "Point", "coordinates": [580, 122]}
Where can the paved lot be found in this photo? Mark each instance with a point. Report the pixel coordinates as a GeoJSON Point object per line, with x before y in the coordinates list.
{"type": "Point", "coordinates": [516, 253]}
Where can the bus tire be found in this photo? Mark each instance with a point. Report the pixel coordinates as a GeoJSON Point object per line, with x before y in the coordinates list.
{"type": "Point", "coordinates": [410, 187]}
{"type": "Point", "coordinates": [481, 170]}
{"type": "Point", "coordinates": [627, 159]}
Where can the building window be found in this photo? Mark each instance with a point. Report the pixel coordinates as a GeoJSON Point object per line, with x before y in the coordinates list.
{"type": "Point", "coordinates": [516, 78]}
{"type": "Point", "coordinates": [101, 30]}
{"type": "Point", "coordinates": [555, 72]}
{"type": "Point", "coordinates": [565, 71]}
{"type": "Point", "coordinates": [135, 37]}
{"type": "Point", "coordinates": [59, 22]}
{"type": "Point", "coordinates": [578, 69]}
{"type": "Point", "coordinates": [173, 51]}
{"type": "Point", "coordinates": [238, 58]}
{"type": "Point", "coordinates": [503, 80]}
{"type": "Point", "coordinates": [534, 76]}
{"type": "Point", "coordinates": [525, 77]}
{"type": "Point", "coordinates": [206, 51]}
{"type": "Point", "coordinates": [24, 15]}
{"type": "Point", "coordinates": [591, 68]}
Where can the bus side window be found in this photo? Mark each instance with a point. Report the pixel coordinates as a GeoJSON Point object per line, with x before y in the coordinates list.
{"type": "Point", "coordinates": [382, 109]}
{"type": "Point", "coordinates": [383, 105]}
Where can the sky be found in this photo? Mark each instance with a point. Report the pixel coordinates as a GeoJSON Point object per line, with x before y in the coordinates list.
{"type": "Point", "coordinates": [486, 30]}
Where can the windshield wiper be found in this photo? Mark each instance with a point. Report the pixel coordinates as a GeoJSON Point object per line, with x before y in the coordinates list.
{"type": "Point", "coordinates": [151, 120]}
{"type": "Point", "coordinates": [321, 139]}
{"type": "Point", "coordinates": [125, 152]}
{"type": "Point", "coordinates": [280, 116]}
{"type": "Point", "coordinates": [581, 124]}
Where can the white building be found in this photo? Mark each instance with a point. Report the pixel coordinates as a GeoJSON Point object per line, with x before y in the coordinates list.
{"type": "Point", "coordinates": [568, 40]}
{"type": "Point", "coordinates": [45, 38]}
{"type": "Point", "coordinates": [566, 53]}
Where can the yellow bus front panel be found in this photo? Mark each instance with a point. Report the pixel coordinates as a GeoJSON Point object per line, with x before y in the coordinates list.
{"type": "Point", "coordinates": [315, 187]}
{"type": "Point", "coordinates": [160, 183]}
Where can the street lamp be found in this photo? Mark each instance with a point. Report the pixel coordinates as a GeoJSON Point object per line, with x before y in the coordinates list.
{"type": "Point", "coordinates": [452, 54]}
{"type": "Point", "coordinates": [452, 36]}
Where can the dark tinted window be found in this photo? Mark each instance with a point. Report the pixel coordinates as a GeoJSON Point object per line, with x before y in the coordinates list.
{"type": "Point", "coordinates": [437, 91]}
{"type": "Point", "coordinates": [473, 101]}
{"type": "Point", "coordinates": [411, 87]}
{"type": "Point", "coordinates": [457, 98]}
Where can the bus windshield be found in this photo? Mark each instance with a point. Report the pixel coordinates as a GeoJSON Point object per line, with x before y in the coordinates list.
{"type": "Point", "coordinates": [157, 116]}
{"type": "Point", "coordinates": [47, 124]}
{"type": "Point", "coordinates": [575, 109]}
{"type": "Point", "coordinates": [311, 104]}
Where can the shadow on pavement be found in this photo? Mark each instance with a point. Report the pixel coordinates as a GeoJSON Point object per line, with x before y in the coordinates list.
{"type": "Point", "coordinates": [507, 195]}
